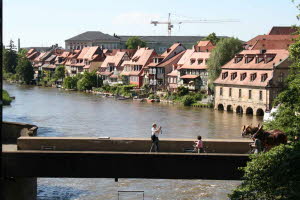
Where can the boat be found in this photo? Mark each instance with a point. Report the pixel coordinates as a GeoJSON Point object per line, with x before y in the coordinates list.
{"type": "Point", "coordinates": [123, 98]}
{"type": "Point", "coordinates": [150, 100]}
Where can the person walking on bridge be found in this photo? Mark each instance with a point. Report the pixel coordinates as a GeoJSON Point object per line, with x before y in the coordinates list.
{"type": "Point", "coordinates": [154, 137]}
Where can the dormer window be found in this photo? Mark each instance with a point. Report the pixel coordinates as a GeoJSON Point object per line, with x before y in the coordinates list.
{"type": "Point", "coordinates": [200, 61]}
{"type": "Point", "coordinates": [248, 59]}
{"type": "Point", "coordinates": [259, 59]}
{"type": "Point", "coordinates": [264, 77]}
{"type": "Point", "coordinates": [269, 58]}
{"type": "Point", "coordinates": [237, 59]}
{"type": "Point", "coordinates": [243, 76]}
{"type": "Point", "coordinates": [233, 75]}
{"type": "Point", "coordinates": [224, 75]}
{"type": "Point", "coordinates": [192, 61]}
{"type": "Point", "coordinates": [253, 77]}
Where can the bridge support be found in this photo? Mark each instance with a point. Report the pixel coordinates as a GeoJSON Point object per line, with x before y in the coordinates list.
{"type": "Point", "coordinates": [19, 188]}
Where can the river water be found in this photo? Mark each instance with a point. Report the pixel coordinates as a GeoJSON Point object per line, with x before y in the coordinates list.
{"type": "Point", "coordinates": [61, 113]}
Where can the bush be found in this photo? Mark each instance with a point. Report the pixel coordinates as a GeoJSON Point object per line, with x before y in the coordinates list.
{"type": "Point", "coordinates": [188, 100]}
{"type": "Point", "coordinates": [271, 175]}
{"type": "Point", "coordinates": [6, 98]}
{"type": "Point", "coordinates": [182, 91]}
{"type": "Point", "coordinates": [88, 81]}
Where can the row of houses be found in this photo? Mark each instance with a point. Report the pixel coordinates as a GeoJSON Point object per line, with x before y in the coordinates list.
{"type": "Point", "coordinates": [248, 83]}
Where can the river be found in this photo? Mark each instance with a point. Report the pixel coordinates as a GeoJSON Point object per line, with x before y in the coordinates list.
{"type": "Point", "coordinates": [67, 113]}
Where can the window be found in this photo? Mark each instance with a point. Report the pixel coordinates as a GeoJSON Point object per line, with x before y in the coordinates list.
{"type": "Point", "coordinates": [253, 77]}
{"type": "Point", "coordinates": [250, 94]}
{"type": "Point", "coordinates": [259, 59]}
{"type": "Point", "coordinates": [243, 76]}
{"type": "Point", "coordinates": [221, 91]}
{"type": "Point", "coordinates": [248, 59]}
{"type": "Point", "coordinates": [233, 75]}
{"type": "Point", "coordinates": [230, 91]}
{"type": "Point", "coordinates": [237, 59]}
{"type": "Point", "coordinates": [224, 75]}
{"type": "Point", "coordinates": [240, 93]}
{"type": "Point", "coordinates": [200, 61]}
{"type": "Point", "coordinates": [260, 95]}
{"type": "Point", "coordinates": [281, 75]}
{"type": "Point", "coordinates": [192, 61]}
{"type": "Point", "coordinates": [264, 77]}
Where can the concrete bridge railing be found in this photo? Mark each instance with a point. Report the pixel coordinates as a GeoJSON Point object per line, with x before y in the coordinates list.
{"type": "Point", "coordinates": [11, 131]}
{"type": "Point", "coordinates": [129, 144]}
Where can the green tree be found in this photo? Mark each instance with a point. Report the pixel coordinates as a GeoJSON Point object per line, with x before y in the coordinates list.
{"type": "Point", "coordinates": [59, 72]}
{"type": "Point", "coordinates": [221, 54]}
{"type": "Point", "coordinates": [213, 38]}
{"type": "Point", "coordinates": [24, 70]}
{"type": "Point", "coordinates": [10, 58]}
{"type": "Point", "coordinates": [88, 81]}
{"type": "Point", "coordinates": [135, 42]}
{"type": "Point", "coordinates": [272, 175]}
{"type": "Point", "coordinates": [71, 82]}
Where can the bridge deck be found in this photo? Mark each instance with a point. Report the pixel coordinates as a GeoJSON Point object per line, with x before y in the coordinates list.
{"type": "Point", "coordinates": [97, 164]}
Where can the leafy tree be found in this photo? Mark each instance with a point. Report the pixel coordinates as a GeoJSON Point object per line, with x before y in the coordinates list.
{"type": "Point", "coordinates": [71, 82]}
{"type": "Point", "coordinates": [10, 58]}
{"type": "Point", "coordinates": [24, 70]}
{"type": "Point", "coordinates": [59, 72]}
{"type": "Point", "coordinates": [221, 54]}
{"type": "Point", "coordinates": [88, 81]}
{"type": "Point", "coordinates": [135, 42]}
{"type": "Point", "coordinates": [213, 38]}
{"type": "Point", "coordinates": [272, 175]}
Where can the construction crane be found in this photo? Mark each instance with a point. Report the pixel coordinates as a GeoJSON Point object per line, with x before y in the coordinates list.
{"type": "Point", "coordinates": [170, 23]}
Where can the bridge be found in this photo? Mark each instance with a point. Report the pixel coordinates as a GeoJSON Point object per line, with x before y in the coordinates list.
{"type": "Point", "coordinates": [115, 158]}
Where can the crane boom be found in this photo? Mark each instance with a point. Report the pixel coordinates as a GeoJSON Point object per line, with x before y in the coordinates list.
{"type": "Point", "coordinates": [170, 24]}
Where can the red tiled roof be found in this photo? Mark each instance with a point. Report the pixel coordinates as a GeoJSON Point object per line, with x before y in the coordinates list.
{"type": "Point", "coordinates": [141, 57]}
{"type": "Point", "coordinates": [186, 56]}
{"type": "Point", "coordinates": [135, 73]}
{"type": "Point", "coordinates": [106, 73]}
{"type": "Point", "coordinates": [37, 59]}
{"type": "Point", "coordinates": [83, 52]}
{"type": "Point", "coordinates": [246, 81]}
{"type": "Point", "coordinates": [282, 30]}
{"type": "Point", "coordinates": [173, 73]}
{"type": "Point", "coordinates": [280, 55]}
{"type": "Point", "coordinates": [196, 56]}
{"type": "Point", "coordinates": [32, 55]}
{"type": "Point", "coordinates": [189, 76]}
{"type": "Point", "coordinates": [90, 52]}
{"type": "Point", "coordinates": [271, 37]}
{"type": "Point", "coordinates": [170, 50]}
{"type": "Point", "coordinates": [86, 67]}
{"type": "Point", "coordinates": [115, 60]}
{"type": "Point", "coordinates": [271, 44]}
{"type": "Point", "coordinates": [171, 61]}
{"type": "Point", "coordinates": [114, 76]}
{"type": "Point", "coordinates": [203, 43]}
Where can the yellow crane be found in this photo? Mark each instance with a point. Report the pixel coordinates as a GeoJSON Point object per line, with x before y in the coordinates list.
{"type": "Point", "coordinates": [170, 23]}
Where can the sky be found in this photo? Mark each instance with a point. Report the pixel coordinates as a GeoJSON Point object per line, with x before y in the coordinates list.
{"type": "Point", "coordinates": [48, 22]}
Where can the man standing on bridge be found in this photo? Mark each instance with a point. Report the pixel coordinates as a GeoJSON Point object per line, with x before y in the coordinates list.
{"type": "Point", "coordinates": [154, 137]}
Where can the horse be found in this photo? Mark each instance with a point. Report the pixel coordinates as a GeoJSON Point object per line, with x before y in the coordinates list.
{"type": "Point", "coordinates": [249, 130]}
{"type": "Point", "coordinates": [271, 138]}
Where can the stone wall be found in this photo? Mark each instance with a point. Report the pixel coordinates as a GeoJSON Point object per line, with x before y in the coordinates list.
{"type": "Point", "coordinates": [12, 130]}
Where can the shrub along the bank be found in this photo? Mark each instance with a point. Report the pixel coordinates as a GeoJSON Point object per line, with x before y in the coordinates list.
{"type": "Point", "coordinates": [185, 97]}
{"type": "Point", "coordinates": [118, 89]}
{"type": "Point", "coordinates": [6, 98]}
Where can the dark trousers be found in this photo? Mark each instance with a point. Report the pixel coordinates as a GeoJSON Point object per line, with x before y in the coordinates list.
{"type": "Point", "coordinates": [155, 145]}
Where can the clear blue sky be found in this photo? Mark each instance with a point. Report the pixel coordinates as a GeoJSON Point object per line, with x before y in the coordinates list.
{"type": "Point", "coordinates": [46, 22]}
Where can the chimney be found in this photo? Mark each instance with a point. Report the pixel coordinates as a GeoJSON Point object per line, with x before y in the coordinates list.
{"type": "Point", "coordinates": [19, 44]}
{"type": "Point", "coordinates": [139, 47]}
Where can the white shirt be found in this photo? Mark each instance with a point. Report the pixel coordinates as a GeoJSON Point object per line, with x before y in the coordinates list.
{"type": "Point", "coordinates": [153, 130]}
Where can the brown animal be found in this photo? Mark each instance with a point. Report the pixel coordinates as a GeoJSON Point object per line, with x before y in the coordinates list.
{"type": "Point", "coordinates": [271, 138]}
{"type": "Point", "coordinates": [249, 130]}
